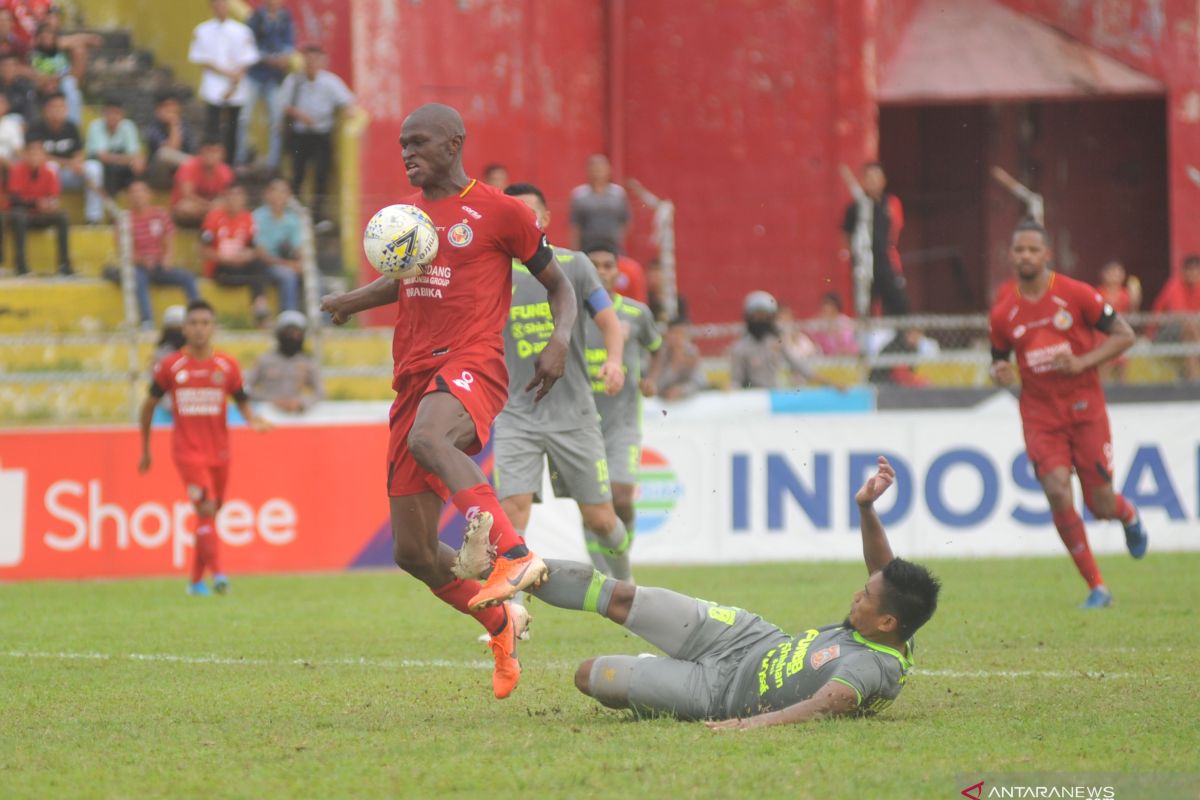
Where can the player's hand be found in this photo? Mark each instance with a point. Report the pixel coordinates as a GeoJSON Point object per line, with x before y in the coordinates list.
{"type": "Point", "coordinates": [648, 386]}
{"type": "Point", "coordinates": [1002, 373]}
{"type": "Point", "coordinates": [877, 484]}
{"type": "Point", "coordinates": [549, 367]}
{"type": "Point", "coordinates": [727, 725]}
{"type": "Point", "coordinates": [330, 305]}
{"type": "Point", "coordinates": [613, 375]}
{"type": "Point", "coordinates": [144, 464]}
{"type": "Point", "coordinates": [261, 425]}
{"type": "Point", "coordinates": [1068, 363]}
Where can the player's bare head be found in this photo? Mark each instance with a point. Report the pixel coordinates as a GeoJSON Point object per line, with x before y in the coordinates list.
{"type": "Point", "coordinates": [1030, 249]}
{"type": "Point", "coordinates": [533, 197]}
{"type": "Point", "coordinates": [1112, 273]}
{"type": "Point", "coordinates": [1191, 268]}
{"type": "Point", "coordinates": [431, 141]}
{"type": "Point", "coordinates": [599, 170]}
{"type": "Point", "coordinates": [604, 256]}
{"type": "Point", "coordinates": [874, 180]}
{"type": "Point", "coordinates": [199, 324]}
{"type": "Point", "coordinates": [895, 602]}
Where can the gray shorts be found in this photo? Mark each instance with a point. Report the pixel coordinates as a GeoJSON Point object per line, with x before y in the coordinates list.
{"type": "Point", "coordinates": [578, 467]}
{"type": "Point", "coordinates": [623, 447]}
{"type": "Point", "coordinates": [696, 682]}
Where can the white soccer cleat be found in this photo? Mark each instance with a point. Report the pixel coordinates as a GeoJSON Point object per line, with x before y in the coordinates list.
{"type": "Point", "coordinates": [476, 555]}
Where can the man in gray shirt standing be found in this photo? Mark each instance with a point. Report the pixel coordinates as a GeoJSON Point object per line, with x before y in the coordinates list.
{"type": "Point", "coordinates": [734, 669]}
{"type": "Point", "coordinates": [312, 100]}
{"type": "Point", "coordinates": [563, 427]}
{"type": "Point", "coordinates": [599, 208]}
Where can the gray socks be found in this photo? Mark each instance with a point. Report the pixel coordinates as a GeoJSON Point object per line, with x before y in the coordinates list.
{"type": "Point", "coordinates": [576, 586]}
{"type": "Point", "coordinates": [612, 551]}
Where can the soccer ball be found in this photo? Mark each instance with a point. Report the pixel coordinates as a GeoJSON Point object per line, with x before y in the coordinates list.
{"type": "Point", "coordinates": [400, 241]}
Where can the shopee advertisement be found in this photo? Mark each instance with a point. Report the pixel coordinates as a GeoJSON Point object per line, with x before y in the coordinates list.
{"type": "Point", "coordinates": [73, 505]}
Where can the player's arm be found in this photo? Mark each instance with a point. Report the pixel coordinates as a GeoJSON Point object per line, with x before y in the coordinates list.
{"type": "Point", "coordinates": [145, 417]}
{"type": "Point", "coordinates": [341, 306]}
{"type": "Point", "coordinates": [552, 361]}
{"type": "Point", "coordinates": [252, 419]}
{"type": "Point", "coordinates": [612, 371]}
{"type": "Point", "coordinates": [834, 699]}
{"type": "Point", "coordinates": [1001, 371]}
{"type": "Point", "coordinates": [1120, 338]}
{"type": "Point", "coordinates": [877, 553]}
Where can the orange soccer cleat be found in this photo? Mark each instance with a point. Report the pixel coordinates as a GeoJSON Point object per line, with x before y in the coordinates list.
{"type": "Point", "coordinates": [507, 673]}
{"type": "Point", "coordinates": [509, 576]}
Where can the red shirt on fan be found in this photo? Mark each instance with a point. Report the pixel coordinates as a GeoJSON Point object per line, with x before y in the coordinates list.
{"type": "Point", "coordinates": [1178, 296]}
{"type": "Point", "coordinates": [198, 390]}
{"type": "Point", "coordinates": [208, 184]}
{"type": "Point", "coordinates": [1062, 320]}
{"type": "Point", "coordinates": [461, 301]}
{"type": "Point", "coordinates": [229, 234]}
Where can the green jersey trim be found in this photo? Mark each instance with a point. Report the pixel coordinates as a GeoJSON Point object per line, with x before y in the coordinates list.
{"type": "Point", "coordinates": [857, 693]}
{"type": "Point", "coordinates": [883, 648]}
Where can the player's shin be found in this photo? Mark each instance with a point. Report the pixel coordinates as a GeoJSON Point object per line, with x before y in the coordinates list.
{"type": "Point", "coordinates": [202, 552]}
{"type": "Point", "coordinates": [613, 549]}
{"type": "Point", "coordinates": [457, 593]}
{"type": "Point", "coordinates": [577, 587]}
{"type": "Point", "coordinates": [1070, 529]}
{"type": "Point", "coordinates": [482, 497]}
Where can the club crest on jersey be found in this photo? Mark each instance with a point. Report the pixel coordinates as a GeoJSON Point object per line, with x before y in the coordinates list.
{"type": "Point", "coordinates": [181, 376]}
{"type": "Point", "coordinates": [218, 376]}
{"type": "Point", "coordinates": [823, 657]}
{"type": "Point", "coordinates": [460, 235]}
{"type": "Point", "coordinates": [1063, 319]}
{"type": "Point", "coordinates": [1018, 331]}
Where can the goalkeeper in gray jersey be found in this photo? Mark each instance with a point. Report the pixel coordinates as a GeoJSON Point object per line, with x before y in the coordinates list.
{"type": "Point", "coordinates": [736, 670]}
{"type": "Point", "coordinates": [621, 413]}
{"type": "Point", "coordinates": [563, 428]}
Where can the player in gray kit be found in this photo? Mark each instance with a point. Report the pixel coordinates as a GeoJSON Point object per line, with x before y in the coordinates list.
{"type": "Point", "coordinates": [563, 427]}
{"type": "Point", "coordinates": [621, 414]}
{"type": "Point", "coordinates": [736, 670]}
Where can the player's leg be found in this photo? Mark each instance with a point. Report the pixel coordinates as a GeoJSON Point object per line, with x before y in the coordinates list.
{"type": "Point", "coordinates": [220, 583]}
{"type": "Point", "coordinates": [197, 481]}
{"type": "Point", "coordinates": [649, 685]}
{"type": "Point", "coordinates": [1092, 453]}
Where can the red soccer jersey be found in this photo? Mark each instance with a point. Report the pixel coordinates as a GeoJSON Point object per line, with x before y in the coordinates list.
{"type": "Point", "coordinates": [1063, 320]}
{"type": "Point", "coordinates": [462, 299]}
{"type": "Point", "coordinates": [208, 184]}
{"type": "Point", "coordinates": [229, 234]}
{"type": "Point", "coordinates": [198, 390]}
{"type": "Point", "coordinates": [1177, 296]}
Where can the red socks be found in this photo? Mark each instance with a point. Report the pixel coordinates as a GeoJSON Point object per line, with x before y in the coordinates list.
{"type": "Point", "coordinates": [458, 593]}
{"type": "Point", "coordinates": [481, 497]}
{"type": "Point", "coordinates": [1071, 531]}
{"type": "Point", "coordinates": [205, 550]}
{"type": "Point", "coordinates": [1125, 512]}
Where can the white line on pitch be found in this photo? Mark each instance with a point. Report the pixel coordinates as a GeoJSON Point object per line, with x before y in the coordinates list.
{"type": "Point", "coordinates": [439, 663]}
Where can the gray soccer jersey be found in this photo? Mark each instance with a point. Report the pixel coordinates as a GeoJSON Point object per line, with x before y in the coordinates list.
{"type": "Point", "coordinates": [569, 405]}
{"type": "Point", "coordinates": [778, 674]}
{"type": "Point", "coordinates": [637, 323]}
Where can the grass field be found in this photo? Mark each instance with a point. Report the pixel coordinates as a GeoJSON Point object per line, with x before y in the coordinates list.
{"type": "Point", "coordinates": [363, 685]}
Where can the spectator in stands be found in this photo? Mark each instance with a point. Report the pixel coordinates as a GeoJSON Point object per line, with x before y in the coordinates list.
{"type": "Point", "coordinates": [1181, 295]}
{"type": "Point", "coordinates": [756, 359]}
{"type": "Point", "coordinates": [656, 295]}
{"type": "Point", "coordinates": [230, 255]}
{"type": "Point", "coordinates": [64, 146]}
{"type": "Point", "coordinates": [172, 337]}
{"type": "Point", "coordinates": [275, 35]}
{"type": "Point", "coordinates": [833, 331]}
{"type": "Point", "coordinates": [12, 136]}
{"type": "Point", "coordinates": [56, 71]}
{"type": "Point", "coordinates": [225, 48]}
{"type": "Point", "coordinates": [1124, 297]}
{"type": "Point", "coordinates": [679, 373]}
{"type": "Point", "coordinates": [169, 140]}
{"type": "Point", "coordinates": [496, 175]}
{"type": "Point", "coordinates": [10, 43]}
{"type": "Point", "coordinates": [278, 235]}
{"type": "Point", "coordinates": [199, 181]}
{"type": "Point", "coordinates": [887, 220]}
{"type": "Point", "coordinates": [288, 378]}
{"type": "Point", "coordinates": [795, 341]}
{"type": "Point", "coordinates": [599, 208]}
{"type": "Point", "coordinates": [34, 196]}
{"type": "Point", "coordinates": [153, 235]}
{"type": "Point", "coordinates": [314, 97]}
{"type": "Point", "coordinates": [631, 279]}
{"type": "Point", "coordinates": [113, 141]}
{"type": "Point", "coordinates": [22, 98]}
{"type": "Point", "coordinates": [905, 342]}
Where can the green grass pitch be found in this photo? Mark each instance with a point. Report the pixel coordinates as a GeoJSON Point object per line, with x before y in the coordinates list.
{"type": "Point", "coordinates": [363, 685]}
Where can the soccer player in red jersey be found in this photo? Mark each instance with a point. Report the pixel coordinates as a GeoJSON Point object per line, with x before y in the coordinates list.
{"type": "Point", "coordinates": [451, 381]}
{"type": "Point", "coordinates": [1061, 330]}
{"type": "Point", "coordinates": [198, 379]}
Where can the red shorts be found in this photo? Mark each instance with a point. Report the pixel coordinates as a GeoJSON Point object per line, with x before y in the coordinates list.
{"type": "Point", "coordinates": [478, 380]}
{"type": "Point", "coordinates": [204, 481]}
{"type": "Point", "coordinates": [1084, 444]}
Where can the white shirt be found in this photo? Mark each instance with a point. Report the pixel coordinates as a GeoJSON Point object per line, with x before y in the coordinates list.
{"type": "Point", "coordinates": [12, 136]}
{"type": "Point", "coordinates": [228, 45]}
